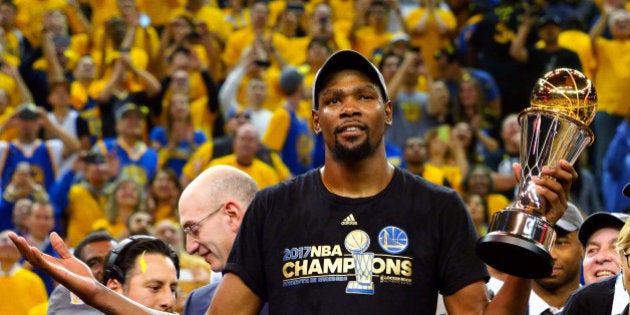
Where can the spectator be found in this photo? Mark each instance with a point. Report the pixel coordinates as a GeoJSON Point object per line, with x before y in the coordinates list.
{"type": "Point", "coordinates": [223, 146]}
{"type": "Point", "coordinates": [431, 26]}
{"type": "Point", "coordinates": [44, 156]}
{"type": "Point", "coordinates": [551, 293]}
{"type": "Point", "coordinates": [478, 209]}
{"type": "Point", "coordinates": [288, 134]}
{"type": "Point", "coordinates": [540, 61]}
{"type": "Point", "coordinates": [21, 212]}
{"type": "Point", "coordinates": [256, 93]}
{"type": "Point", "coordinates": [617, 169]}
{"type": "Point", "coordinates": [23, 289]}
{"type": "Point", "coordinates": [369, 34]}
{"type": "Point", "coordinates": [412, 115]}
{"type": "Point", "coordinates": [92, 250]}
{"type": "Point", "coordinates": [454, 72]}
{"type": "Point", "coordinates": [125, 197]}
{"type": "Point", "coordinates": [135, 158]}
{"type": "Point", "coordinates": [84, 202]}
{"type": "Point", "coordinates": [478, 180]}
{"type": "Point", "coordinates": [176, 141]}
{"type": "Point", "coordinates": [612, 75]}
{"type": "Point", "coordinates": [246, 145]}
{"type": "Point", "coordinates": [607, 295]}
{"type": "Point", "coordinates": [164, 190]}
{"type": "Point", "coordinates": [598, 235]}
{"type": "Point", "coordinates": [40, 223]}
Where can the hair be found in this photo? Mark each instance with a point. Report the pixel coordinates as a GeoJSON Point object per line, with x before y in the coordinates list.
{"type": "Point", "coordinates": [169, 117]}
{"type": "Point", "coordinates": [381, 62]}
{"type": "Point", "coordinates": [111, 206]}
{"type": "Point", "coordinates": [123, 256]}
{"type": "Point", "coordinates": [623, 241]}
{"type": "Point", "coordinates": [94, 237]}
{"type": "Point", "coordinates": [487, 171]}
{"type": "Point", "coordinates": [484, 203]}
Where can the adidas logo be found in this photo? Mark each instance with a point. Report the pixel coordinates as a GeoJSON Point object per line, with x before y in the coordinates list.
{"type": "Point", "coordinates": [349, 220]}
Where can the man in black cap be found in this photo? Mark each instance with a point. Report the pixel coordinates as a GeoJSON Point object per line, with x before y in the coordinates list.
{"type": "Point", "coordinates": [44, 156]}
{"type": "Point", "coordinates": [354, 236]}
{"type": "Point", "coordinates": [605, 292]}
{"type": "Point", "coordinates": [542, 60]}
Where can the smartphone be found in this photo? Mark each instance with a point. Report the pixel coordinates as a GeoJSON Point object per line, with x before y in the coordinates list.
{"type": "Point", "coordinates": [444, 133]}
{"type": "Point", "coordinates": [263, 63]}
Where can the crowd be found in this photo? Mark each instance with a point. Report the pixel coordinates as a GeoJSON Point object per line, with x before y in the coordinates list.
{"type": "Point", "coordinates": [109, 109]}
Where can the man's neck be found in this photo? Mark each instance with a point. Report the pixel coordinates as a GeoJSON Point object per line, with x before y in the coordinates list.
{"type": "Point", "coordinates": [558, 297]}
{"type": "Point", "coordinates": [364, 178]}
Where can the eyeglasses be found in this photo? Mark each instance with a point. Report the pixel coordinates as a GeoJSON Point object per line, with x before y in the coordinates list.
{"type": "Point", "coordinates": [193, 229]}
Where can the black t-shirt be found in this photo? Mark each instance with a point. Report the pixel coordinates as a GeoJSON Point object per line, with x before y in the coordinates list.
{"type": "Point", "coordinates": [294, 248]}
{"type": "Point", "coordinates": [541, 61]}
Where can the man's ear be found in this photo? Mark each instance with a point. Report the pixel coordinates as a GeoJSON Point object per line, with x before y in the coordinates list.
{"type": "Point", "coordinates": [388, 113]}
{"type": "Point", "coordinates": [316, 127]}
{"type": "Point", "coordinates": [115, 285]}
{"type": "Point", "coordinates": [235, 213]}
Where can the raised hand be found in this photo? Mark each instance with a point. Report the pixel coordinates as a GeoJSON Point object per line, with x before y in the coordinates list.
{"type": "Point", "coordinates": [67, 269]}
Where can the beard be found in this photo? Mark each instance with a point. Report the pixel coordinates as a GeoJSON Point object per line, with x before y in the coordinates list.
{"type": "Point", "coordinates": [343, 153]}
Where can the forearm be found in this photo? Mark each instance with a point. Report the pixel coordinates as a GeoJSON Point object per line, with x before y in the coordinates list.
{"type": "Point", "coordinates": [110, 302]}
{"type": "Point", "coordinates": [513, 297]}
{"type": "Point", "coordinates": [153, 86]}
{"type": "Point", "coordinates": [70, 143]}
{"type": "Point", "coordinates": [517, 48]}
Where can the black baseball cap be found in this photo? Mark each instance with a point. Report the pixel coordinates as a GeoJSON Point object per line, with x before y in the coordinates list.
{"type": "Point", "coordinates": [600, 220]}
{"type": "Point", "coordinates": [548, 19]}
{"type": "Point", "coordinates": [626, 190]}
{"type": "Point", "coordinates": [28, 111]}
{"type": "Point", "coordinates": [347, 60]}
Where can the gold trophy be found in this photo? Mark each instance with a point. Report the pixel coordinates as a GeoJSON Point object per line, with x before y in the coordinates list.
{"type": "Point", "coordinates": [555, 127]}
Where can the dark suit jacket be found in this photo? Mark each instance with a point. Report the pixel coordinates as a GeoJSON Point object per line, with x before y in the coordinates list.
{"type": "Point", "coordinates": [198, 301]}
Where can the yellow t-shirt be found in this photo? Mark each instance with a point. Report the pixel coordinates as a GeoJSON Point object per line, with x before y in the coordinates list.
{"type": "Point", "coordinates": [367, 40]}
{"type": "Point", "coordinates": [83, 210]}
{"type": "Point", "coordinates": [263, 174]}
{"type": "Point", "coordinates": [160, 11]}
{"type": "Point", "coordinates": [21, 291]}
{"type": "Point", "coordinates": [612, 77]}
{"type": "Point", "coordinates": [431, 40]}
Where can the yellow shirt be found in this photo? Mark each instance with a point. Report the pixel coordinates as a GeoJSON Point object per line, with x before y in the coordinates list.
{"type": "Point", "coordinates": [21, 291]}
{"type": "Point", "coordinates": [11, 133]}
{"type": "Point", "coordinates": [263, 174]}
{"type": "Point", "coordinates": [244, 38]}
{"type": "Point", "coordinates": [367, 40]}
{"type": "Point", "coordinates": [213, 17]}
{"type": "Point", "coordinates": [83, 210]}
{"type": "Point", "coordinates": [160, 11]}
{"type": "Point", "coordinates": [107, 9]}
{"type": "Point", "coordinates": [30, 16]}
{"type": "Point", "coordinates": [580, 43]}
{"type": "Point", "coordinates": [612, 78]}
{"type": "Point", "coordinates": [496, 202]}
{"type": "Point", "coordinates": [431, 40]}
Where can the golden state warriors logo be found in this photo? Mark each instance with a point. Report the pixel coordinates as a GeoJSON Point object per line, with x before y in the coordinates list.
{"type": "Point", "coordinates": [393, 240]}
{"type": "Point", "coordinates": [357, 242]}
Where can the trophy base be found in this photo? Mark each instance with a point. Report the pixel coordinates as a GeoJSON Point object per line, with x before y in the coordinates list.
{"type": "Point", "coordinates": [518, 244]}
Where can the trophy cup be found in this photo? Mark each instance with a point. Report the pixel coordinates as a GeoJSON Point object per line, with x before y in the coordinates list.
{"type": "Point", "coordinates": [555, 127]}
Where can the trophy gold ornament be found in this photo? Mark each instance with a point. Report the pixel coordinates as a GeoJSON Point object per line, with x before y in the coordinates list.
{"type": "Point", "coordinates": [554, 127]}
